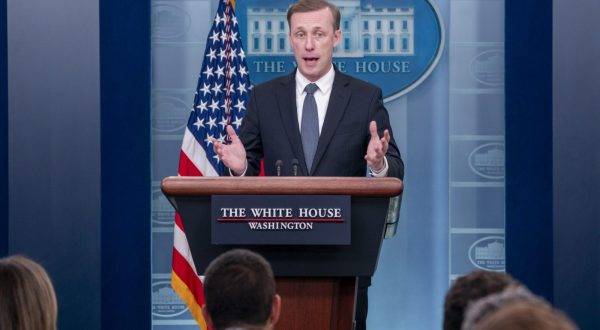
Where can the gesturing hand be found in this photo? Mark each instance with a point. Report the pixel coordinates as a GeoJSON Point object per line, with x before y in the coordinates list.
{"type": "Point", "coordinates": [233, 155]}
{"type": "Point", "coordinates": [377, 148]}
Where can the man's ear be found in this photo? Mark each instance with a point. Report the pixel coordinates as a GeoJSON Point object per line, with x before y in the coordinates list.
{"type": "Point", "coordinates": [207, 318]}
{"type": "Point", "coordinates": [275, 309]}
{"type": "Point", "coordinates": [337, 37]}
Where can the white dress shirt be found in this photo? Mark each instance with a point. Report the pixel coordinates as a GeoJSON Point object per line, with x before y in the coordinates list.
{"type": "Point", "coordinates": [321, 95]}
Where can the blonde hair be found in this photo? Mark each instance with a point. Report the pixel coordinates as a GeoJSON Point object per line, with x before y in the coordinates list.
{"type": "Point", "coordinates": [27, 298]}
{"type": "Point", "coordinates": [527, 315]}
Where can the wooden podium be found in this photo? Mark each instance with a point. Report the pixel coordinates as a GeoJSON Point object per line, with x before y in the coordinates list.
{"type": "Point", "coordinates": [317, 283]}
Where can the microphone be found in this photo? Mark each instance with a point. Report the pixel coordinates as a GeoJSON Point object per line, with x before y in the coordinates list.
{"type": "Point", "coordinates": [278, 165]}
{"type": "Point", "coordinates": [295, 166]}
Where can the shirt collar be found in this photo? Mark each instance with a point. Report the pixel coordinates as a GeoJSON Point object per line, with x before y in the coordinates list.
{"type": "Point", "coordinates": [325, 83]}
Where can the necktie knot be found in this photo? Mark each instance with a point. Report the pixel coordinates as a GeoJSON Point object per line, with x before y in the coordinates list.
{"type": "Point", "coordinates": [311, 88]}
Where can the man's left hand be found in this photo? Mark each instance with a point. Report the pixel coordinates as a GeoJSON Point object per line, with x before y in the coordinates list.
{"type": "Point", "coordinates": [377, 148]}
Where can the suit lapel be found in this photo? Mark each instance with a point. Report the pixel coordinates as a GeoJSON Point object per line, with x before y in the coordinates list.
{"type": "Point", "coordinates": [338, 101]}
{"type": "Point", "coordinates": [286, 99]}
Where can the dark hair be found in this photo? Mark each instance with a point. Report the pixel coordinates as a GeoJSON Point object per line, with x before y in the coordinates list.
{"type": "Point", "coordinates": [238, 288]}
{"type": "Point", "coordinates": [305, 6]}
{"type": "Point", "coordinates": [468, 288]}
{"type": "Point", "coordinates": [27, 298]}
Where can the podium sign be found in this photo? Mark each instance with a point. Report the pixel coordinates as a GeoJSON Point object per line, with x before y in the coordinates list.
{"type": "Point", "coordinates": [281, 220]}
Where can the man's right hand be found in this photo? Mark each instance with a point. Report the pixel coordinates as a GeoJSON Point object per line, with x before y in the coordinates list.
{"type": "Point", "coordinates": [233, 155]}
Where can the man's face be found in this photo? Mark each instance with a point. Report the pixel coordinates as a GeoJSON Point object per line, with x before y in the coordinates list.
{"type": "Point", "coordinates": [312, 38]}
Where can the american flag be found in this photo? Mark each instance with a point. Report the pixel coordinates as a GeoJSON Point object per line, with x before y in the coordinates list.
{"type": "Point", "coordinates": [220, 99]}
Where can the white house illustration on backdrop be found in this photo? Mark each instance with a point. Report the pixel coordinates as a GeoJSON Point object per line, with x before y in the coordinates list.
{"type": "Point", "coordinates": [366, 31]}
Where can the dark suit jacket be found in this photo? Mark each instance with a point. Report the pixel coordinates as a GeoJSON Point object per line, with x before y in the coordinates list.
{"type": "Point", "coordinates": [270, 129]}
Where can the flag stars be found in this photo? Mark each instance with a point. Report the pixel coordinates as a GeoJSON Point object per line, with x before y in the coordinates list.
{"type": "Point", "coordinates": [223, 124]}
{"type": "Point", "coordinates": [211, 55]}
{"type": "Point", "coordinates": [240, 105]}
{"type": "Point", "coordinates": [218, 19]}
{"type": "Point", "coordinates": [231, 73]}
{"type": "Point", "coordinates": [233, 37]}
{"type": "Point", "coordinates": [214, 106]}
{"type": "Point", "coordinates": [199, 123]}
{"type": "Point", "coordinates": [237, 122]}
{"type": "Point", "coordinates": [202, 106]}
{"type": "Point", "coordinates": [216, 89]}
{"type": "Point", "coordinates": [212, 122]}
{"type": "Point", "coordinates": [219, 72]}
{"type": "Point", "coordinates": [208, 139]}
{"type": "Point", "coordinates": [205, 89]}
{"type": "Point", "coordinates": [208, 72]}
{"type": "Point", "coordinates": [223, 37]}
{"type": "Point", "coordinates": [222, 54]}
{"type": "Point", "coordinates": [232, 54]}
{"type": "Point", "coordinates": [241, 54]}
{"type": "Point", "coordinates": [242, 71]}
{"type": "Point", "coordinates": [214, 37]}
{"type": "Point", "coordinates": [223, 85]}
{"type": "Point", "coordinates": [242, 88]}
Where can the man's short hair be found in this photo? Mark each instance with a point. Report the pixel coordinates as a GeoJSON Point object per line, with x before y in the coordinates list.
{"type": "Point", "coordinates": [305, 6]}
{"type": "Point", "coordinates": [468, 288]}
{"type": "Point", "coordinates": [238, 288]}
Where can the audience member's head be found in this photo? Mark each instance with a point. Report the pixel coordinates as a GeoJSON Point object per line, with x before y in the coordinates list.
{"type": "Point", "coordinates": [468, 288]}
{"type": "Point", "coordinates": [239, 289]}
{"type": "Point", "coordinates": [27, 299]}
{"type": "Point", "coordinates": [526, 315]}
{"type": "Point", "coordinates": [480, 309]}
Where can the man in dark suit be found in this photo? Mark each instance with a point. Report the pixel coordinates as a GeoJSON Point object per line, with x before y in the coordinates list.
{"type": "Point", "coordinates": [271, 130]}
{"type": "Point", "coordinates": [327, 122]}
